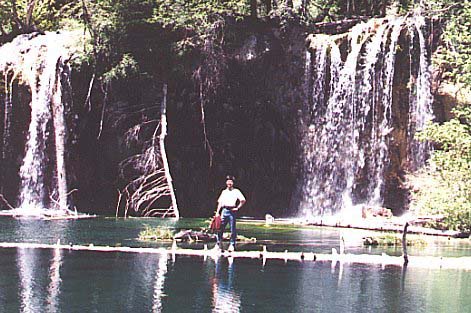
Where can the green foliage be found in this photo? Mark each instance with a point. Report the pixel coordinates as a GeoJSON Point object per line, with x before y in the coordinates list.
{"type": "Point", "coordinates": [457, 38]}
{"type": "Point", "coordinates": [125, 68]}
{"type": "Point", "coordinates": [392, 240]}
{"type": "Point", "coordinates": [111, 23]}
{"type": "Point", "coordinates": [157, 233]}
{"type": "Point", "coordinates": [445, 188]}
{"type": "Point", "coordinates": [455, 51]}
{"type": "Point", "coordinates": [24, 15]}
{"type": "Point", "coordinates": [196, 18]}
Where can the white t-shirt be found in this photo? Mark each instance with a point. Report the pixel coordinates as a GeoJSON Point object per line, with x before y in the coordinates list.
{"type": "Point", "coordinates": [230, 197]}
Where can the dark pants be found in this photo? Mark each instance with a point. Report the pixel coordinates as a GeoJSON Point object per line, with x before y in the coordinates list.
{"type": "Point", "coordinates": [227, 216]}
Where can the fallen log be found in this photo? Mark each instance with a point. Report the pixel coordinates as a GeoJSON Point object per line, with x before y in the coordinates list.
{"type": "Point", "coordinates": [390, 226]}
{"type": "Point", "coordinates": [431, 262]}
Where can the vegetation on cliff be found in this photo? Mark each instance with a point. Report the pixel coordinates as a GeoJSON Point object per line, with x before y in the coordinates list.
{"type": "Point", "coordinates": [114, 24]}
{"type": "Point", "coordinates": [444, 188]}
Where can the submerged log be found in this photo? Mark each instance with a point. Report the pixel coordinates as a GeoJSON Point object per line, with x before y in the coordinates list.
{"type": "Point", "coordinates": [462, 263]}
{"type": "Point", "coordinates": [192, 235]}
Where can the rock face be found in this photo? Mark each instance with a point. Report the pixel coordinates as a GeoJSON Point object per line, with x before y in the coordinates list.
{"type": "Point", "coordinates": [240, 105]}
{"type": "Point", "coordinates": [250, 105]}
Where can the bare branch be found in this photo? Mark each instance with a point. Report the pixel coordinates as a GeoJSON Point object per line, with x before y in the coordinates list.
{"type": "Point", "coordinates": [6, 202]}
{"type": "Point", "coordinates": [119, 202]}
{"type": "Point", "coordinates": [105, 99]}
{"type": "Point", "coordinates": [153, 181]}
{"type": "Point", "coordinates": [88, 101]}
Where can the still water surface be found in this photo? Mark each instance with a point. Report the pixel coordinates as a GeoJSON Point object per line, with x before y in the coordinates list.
{"type": "Point", "coordinates": [48, 280]}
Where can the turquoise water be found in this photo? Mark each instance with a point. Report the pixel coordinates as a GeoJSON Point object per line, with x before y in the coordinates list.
{"type": "Point", "coordinates": [124, 232]}
{"type": "Point", "coordinates": [48, 280]}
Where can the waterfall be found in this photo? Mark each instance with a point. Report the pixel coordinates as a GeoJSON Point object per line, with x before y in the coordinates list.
{"type": "Point", "coordinates": [7, 116]}
{"type": "Point", "coordinates": [376, 179]}
{"type": "Point", "coordinates": [420, 109]}
{"type": "Point", "coordinates": [346, 145]}
{"type": "Point", "coordinates": [33, 189]}
{"type": "Point", "coordinates": [40, 62]}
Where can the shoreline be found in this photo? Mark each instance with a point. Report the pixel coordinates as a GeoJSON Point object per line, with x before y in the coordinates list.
{"type": "Point", "coordinates": [379, 225]}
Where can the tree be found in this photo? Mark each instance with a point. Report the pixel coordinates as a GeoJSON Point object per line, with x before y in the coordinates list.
{"type": "Point", "coordinates": [453, 55]}
{"type": "Point", "coordinates": [445, 189]}
{"type": "Point", "coordinates": [268, 5]}
{"type": "Point", "coordinates": [253, 8]}
{"type": "Point", "coordinates": [23, 16]}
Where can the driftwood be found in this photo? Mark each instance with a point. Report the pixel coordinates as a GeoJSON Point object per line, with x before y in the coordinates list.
{"type": "Point", "coordinates": [387, 225]}
{"type": "Point", "coordinates": [462, 263]}
{"type": "Point", "coordinates": [192, 235]}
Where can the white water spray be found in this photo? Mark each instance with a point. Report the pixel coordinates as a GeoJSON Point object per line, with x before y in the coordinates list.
{"type": "Point", "coordinates": [346, 145]}
{"type": "Point", "coordinates": [40, 62]}
{"type": "Point", "coordinates": [420, 109]}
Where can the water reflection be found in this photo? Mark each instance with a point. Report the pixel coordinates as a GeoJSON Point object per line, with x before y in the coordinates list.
{"type": "Point", "coordinates": [29, 296]}
{"type": "Point", "coordinates": [224, 298]}
{"type": "Point", "coordinates": [38, 270]}
{"type": "Point", "coordinates": [36, 280]}
{"type": "Point", "coordinates": [39, 282]}
{"type": "Point", "coordinates": [403, 277]}
{"type": "Point", "coordinates": [160, 275]}
{"type": "Point", "coordinates": [54, 285]}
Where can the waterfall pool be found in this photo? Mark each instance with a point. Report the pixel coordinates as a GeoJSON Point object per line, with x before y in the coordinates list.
{"type": "Point", "coordinates": [50, 280]}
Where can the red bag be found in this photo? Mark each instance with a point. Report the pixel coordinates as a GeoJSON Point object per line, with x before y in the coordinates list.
{"type": "Point", "coordinates": [215, 225]}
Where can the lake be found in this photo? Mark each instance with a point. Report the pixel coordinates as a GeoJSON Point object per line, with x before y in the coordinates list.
{"type": "Point", "coordinates": [52, 280]}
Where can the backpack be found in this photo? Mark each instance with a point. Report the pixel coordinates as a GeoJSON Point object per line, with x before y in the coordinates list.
{"type": "Point", "coordinates": [215, 225]}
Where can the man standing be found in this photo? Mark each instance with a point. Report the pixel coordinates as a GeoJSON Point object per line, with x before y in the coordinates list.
{"type": "Point", "coordinates": [229, 202]}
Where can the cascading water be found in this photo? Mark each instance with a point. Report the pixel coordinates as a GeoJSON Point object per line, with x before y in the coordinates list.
{"type": "Point", "coordinates": [40, 63]}
{"type": "Point", "coordinates": [346, 140]}
{"type": "Point", "coordinates": [420, 108]}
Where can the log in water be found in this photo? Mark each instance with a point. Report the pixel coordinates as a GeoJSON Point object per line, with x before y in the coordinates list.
{"type": "Point", "coordinates": [460, 263]}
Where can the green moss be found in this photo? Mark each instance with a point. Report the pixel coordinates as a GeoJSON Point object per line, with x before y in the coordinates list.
{"type": "Point", "coordinates": [156, 233]}
{"type": "Point", "coordinates": [391, 240]}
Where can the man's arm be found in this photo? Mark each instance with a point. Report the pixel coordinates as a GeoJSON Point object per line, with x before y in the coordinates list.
{"type": "Point", "coordinates": [218, 209]}
{"type": "Point", "coordinates": [241, 203]}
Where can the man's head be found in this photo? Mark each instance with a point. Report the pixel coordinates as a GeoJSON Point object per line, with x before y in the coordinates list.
{"type": "Point", "coordinates": [230, 181]}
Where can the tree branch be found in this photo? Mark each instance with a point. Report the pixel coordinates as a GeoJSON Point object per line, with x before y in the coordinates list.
{"type": "Point", "coordinates": [15, 18]}
{"type": "Point", "coordinates": [6, 202]}
{"type": "Point", "coordinates": [29, 13]}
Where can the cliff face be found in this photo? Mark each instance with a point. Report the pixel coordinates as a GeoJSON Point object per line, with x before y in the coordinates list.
{"type": "Point", "coordinates": [251, 101]}
{"type": "Point", "coordinates": [250, 82]}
